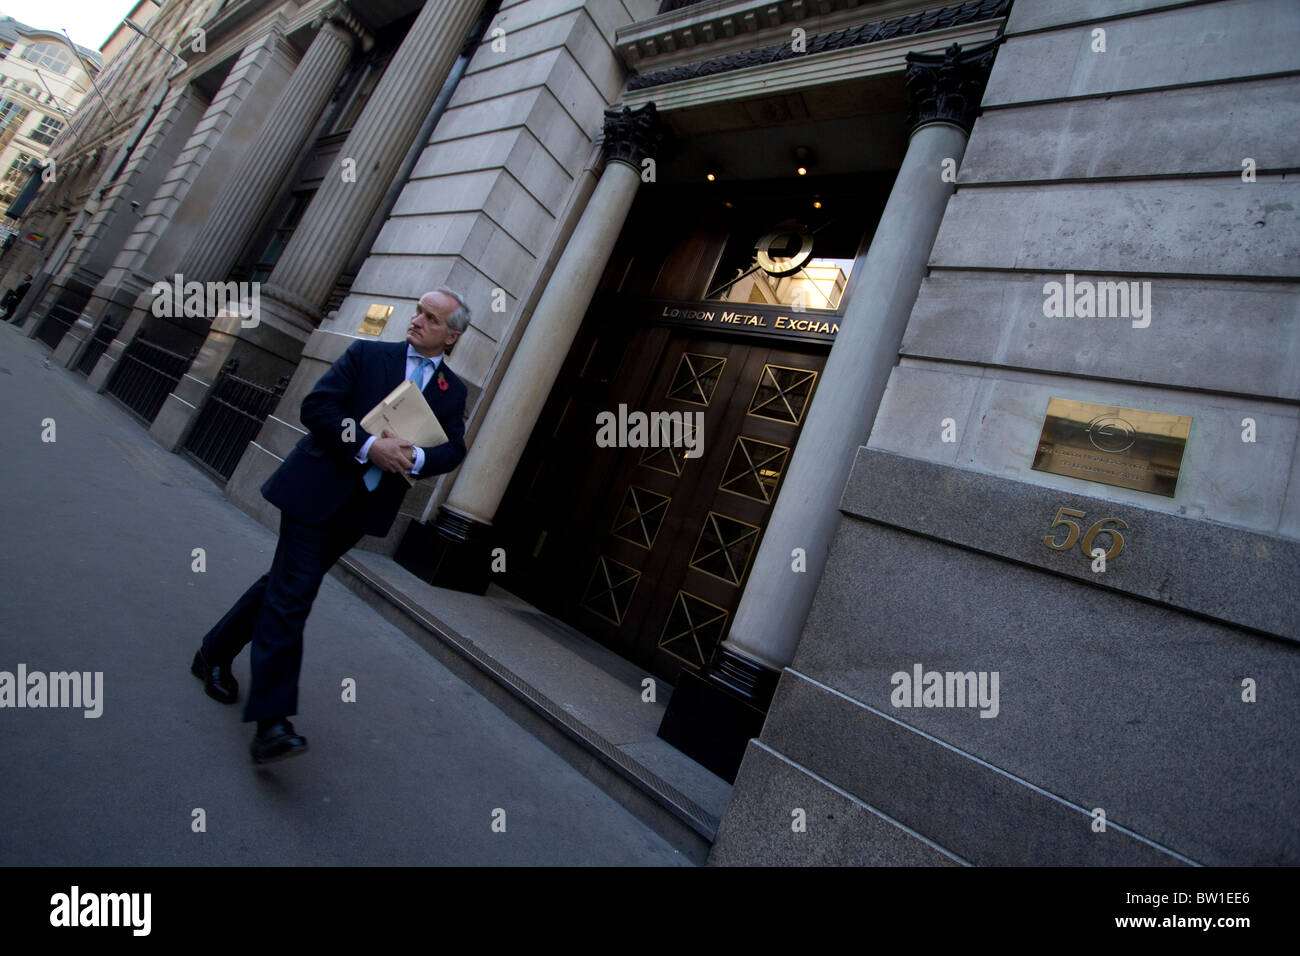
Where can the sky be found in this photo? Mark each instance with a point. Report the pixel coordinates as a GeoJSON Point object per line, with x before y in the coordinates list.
{"type": "Point", "coordinates": [89, 22]}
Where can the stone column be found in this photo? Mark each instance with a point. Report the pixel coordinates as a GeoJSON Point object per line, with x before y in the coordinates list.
{"type": "Point", "coordinates": [944, 91]}
{"type": "Point", "coordinates": [240, 206]}
{"type": "Point", "coordinates": [629, 137]}
{"type": "Point", "coordinates": [341, 209]}
{"type": "Point", "coordinates": [333, 225]}
{"type": "Point", "coordinates": [262, 169]}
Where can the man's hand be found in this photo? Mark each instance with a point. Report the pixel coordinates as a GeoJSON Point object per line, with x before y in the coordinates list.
{"type": "Point", "coordinates": [392, 453]}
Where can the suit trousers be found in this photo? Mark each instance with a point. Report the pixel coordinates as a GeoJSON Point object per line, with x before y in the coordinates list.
{"type": "Point", "coordinates": [272, 613]}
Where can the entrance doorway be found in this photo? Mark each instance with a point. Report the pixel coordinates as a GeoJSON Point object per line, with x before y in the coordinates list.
{"type": "Point", "coordinates": [645, 548]}
{"type": "Point", "coordinates": [717, 304]}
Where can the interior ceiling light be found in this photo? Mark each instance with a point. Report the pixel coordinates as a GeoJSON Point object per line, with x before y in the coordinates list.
{"type": "Point", "coordinates": [803, 157]}
{"type": "Point", "coordinates": [710, 177]}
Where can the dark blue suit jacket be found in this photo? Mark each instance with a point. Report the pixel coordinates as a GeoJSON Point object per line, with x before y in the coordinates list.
{"type": "Point", "coordinates": [321, 473]}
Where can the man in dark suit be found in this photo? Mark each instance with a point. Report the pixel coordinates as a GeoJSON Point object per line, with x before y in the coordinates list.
{"type": "Point", "coordinates": [14, 297]}
{"type": "Point", "coordinates": [336, 485]}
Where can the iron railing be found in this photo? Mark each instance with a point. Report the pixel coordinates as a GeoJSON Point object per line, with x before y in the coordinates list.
{"type": "Point", "coordinates": [98, 345]}
{"type": "Point", "coordinates": [55, 325]}
{"type": "Point", "coordinates": [230, 418]}
{"type": "Point", "coordinates": [145, 375]}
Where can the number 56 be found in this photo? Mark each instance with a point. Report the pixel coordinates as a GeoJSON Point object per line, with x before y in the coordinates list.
{"type": "Point", "coordinates": [1085, 546]}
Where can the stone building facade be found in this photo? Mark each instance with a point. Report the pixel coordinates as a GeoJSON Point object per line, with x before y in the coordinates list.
{"type": "Point", "coordinates": [43, 78]}
{"type": "Point", "coordinates": [817, 238]}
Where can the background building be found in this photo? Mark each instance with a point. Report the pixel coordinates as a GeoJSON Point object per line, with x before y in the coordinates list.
{"type": "Point", "coordinates": [43, 78]}
{"type": "Point", "coordinates": [90, 152]}
{"type": "Point", "coordinates": [831, 230]}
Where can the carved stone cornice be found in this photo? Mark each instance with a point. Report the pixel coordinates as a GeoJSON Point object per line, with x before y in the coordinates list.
{"type": "Point", "coordinates": [948, 86]}
{"type": "Point", "coordinates": [960, 14]}
{"type": "Point", "coordinates": [632, 135]}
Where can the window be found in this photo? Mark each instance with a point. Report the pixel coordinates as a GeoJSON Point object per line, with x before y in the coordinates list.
{"type": "Point", "coordinates": [17, 172]}
{"type": "Point", "coordinates": [360, 94]}
{"type": "Point", "coordinates": [280, 237]}
{"type": "Point", "coordinates": [46, 131]}
{"type": "Point", "coordinates": [788, 243]}
{"type": "Point", "coordinates": [53, 57]}
{"type": "Point", "coordinates": [12, 116]}
{"type": "Point", "coordinates": [363, 76]}
{"type": "Point", "coordinates": [788, 253]}
{"type": "Point", "coordinates": [15, 178]}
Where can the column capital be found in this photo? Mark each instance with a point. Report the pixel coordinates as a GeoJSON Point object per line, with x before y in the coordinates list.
{"type": "Point", "coordinates": [339, 15]}
{"type": "Point", "coordinates": [947, 86]}
{"type": "Point", "coordinates": [631, 135]}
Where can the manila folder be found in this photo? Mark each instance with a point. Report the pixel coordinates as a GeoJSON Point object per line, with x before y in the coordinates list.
{"type": "Point", "coordinates": [404, 412]}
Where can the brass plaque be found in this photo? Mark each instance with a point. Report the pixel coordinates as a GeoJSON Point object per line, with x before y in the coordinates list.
{"type": "Point", "coordinates": [1125, 447]}
{"type": "Point", "coordinates": [375, 320]}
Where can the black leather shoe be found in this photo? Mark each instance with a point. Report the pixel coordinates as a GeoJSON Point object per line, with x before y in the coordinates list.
{"type": "Point", "coordinates": [218, 682]}
{"type": "Point", "coordinates": [277, 742]}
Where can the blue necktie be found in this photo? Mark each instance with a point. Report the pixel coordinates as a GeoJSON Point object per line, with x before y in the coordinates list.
{"type": "Point", "coordinates": [374, 472]}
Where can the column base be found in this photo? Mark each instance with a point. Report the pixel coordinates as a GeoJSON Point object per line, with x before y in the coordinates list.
{"type": "Point", "coordinates": [171, 426]}
{"type": "Point", "coordinates": [453, 552]}
{"type": "Point", "coordinates": [712, 717]}
{"type": "Point", "coordinates": [99, 375]}
{"type": "Point", "coordinates": [68, 351]}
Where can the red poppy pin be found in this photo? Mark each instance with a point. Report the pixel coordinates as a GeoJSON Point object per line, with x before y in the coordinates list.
{"type": "Point", "coordinates": [442, 383]}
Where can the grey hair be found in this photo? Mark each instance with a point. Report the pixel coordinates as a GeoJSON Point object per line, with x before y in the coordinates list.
{"type": "Point", "coordinates": [458, 321]}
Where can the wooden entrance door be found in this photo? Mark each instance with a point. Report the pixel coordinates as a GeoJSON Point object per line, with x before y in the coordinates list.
{"type": "Point", "coordinates": [660, 544]}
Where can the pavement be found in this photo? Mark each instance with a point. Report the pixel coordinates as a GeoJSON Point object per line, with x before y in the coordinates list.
{"type": "Point", "coordinates": [99, 573]}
